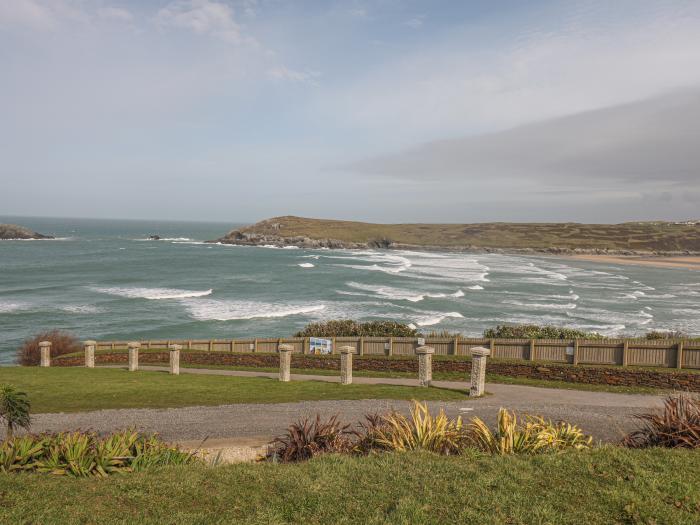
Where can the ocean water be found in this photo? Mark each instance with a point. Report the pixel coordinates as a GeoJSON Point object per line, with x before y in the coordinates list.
{"type": "Point", "coordinates": [104, 280]}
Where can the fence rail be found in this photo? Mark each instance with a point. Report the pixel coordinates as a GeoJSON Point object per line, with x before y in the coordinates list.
{"type": "Point", "coordinates": [621, 352]}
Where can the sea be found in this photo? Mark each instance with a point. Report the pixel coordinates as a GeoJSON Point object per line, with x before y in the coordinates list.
{"type": "Point", "coordinates": [105, 280]}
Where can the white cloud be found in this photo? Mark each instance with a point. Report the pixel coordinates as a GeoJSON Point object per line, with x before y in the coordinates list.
{"type": "Point", "coordinates": [27, 13]}
{"type": "Point", "coordinates": [284, 73]}
{"type": "Point", "coordinates": [115, 13]}
{"type": "Point", "coordinates": [202, 17]}
{"type": "Point", "coordinates": [416, 22]}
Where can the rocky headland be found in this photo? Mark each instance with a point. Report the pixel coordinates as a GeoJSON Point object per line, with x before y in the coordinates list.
{"type": "Point", "coordinates": [627, 239]}
{"type": "Point", "coordinates": [15, 232]}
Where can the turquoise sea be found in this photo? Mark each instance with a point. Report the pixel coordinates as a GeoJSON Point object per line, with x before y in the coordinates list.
{"type": "Point", "coordinates": [103, 279]}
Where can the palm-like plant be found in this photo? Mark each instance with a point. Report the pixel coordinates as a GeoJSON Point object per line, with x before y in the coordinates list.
{"type": "Point", "coordinates": [14, 409]}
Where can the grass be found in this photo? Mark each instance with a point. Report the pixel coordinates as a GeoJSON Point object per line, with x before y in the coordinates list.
{"type": "Point", "coordinates": [79, 389]}
{"type": "Point", "coordinates": [602, 486]}
{"type": "Point", "coordinates": [640, 236]}
{"type": "Point", "coordinates": [452, 376]}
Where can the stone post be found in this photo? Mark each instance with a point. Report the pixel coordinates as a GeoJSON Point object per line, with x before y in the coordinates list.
{"type": "Point", "coordinates": [346, 364]}
{"type": "Point", "coordinates": [175, 359]}
{"type": "Point", "coordinates": [134, 356]}
{"type": "Point", "coordinates": [89, 353]}
{"type": "Point", "coordinates": [425, 365]}
{"type": "Point", "coordinates": [45, 350]}
{"type": "Point", "coordinates": [479, 354]}
{"type": "Point", "coordinates": [285, 361]}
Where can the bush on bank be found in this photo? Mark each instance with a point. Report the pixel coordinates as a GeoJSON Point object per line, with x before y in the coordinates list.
{"type": "Point", "coordinates": [61, 343]}
{"type": "Point", "coordinates": [350, 328]}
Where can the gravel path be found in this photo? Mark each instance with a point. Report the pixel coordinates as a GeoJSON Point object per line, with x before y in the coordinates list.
{"type": "Point", "coordinates": [606, 416]}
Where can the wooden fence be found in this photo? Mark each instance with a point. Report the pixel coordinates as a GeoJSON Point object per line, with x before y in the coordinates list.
{"type": "Point", "coordinates": [621, 352]}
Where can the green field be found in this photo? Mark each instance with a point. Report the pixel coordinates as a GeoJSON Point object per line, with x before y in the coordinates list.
{"type": "Point", "coordinates": [602, 486]}
{"type": "Point", "coordinates": [79, 389]}
{"type": "Point", "coordinates": [637, 236]}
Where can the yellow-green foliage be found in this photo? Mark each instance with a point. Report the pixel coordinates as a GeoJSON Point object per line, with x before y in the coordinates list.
{"type": "Point", "coordinates": [534, 435]}
{"type": "Point", "coordinates": [421, 430]}
{"type": "Point", "coordinates": [83, 454]}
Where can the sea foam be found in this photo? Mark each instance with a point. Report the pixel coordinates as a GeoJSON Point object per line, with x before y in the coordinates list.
{"type": "Point", "coordinates": [220, 310]}
{"type": "Point", "coordinates": [152, 293]}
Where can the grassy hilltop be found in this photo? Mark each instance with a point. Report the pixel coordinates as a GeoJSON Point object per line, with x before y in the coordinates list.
{"type": "Point", "coordinates": [625, 237]}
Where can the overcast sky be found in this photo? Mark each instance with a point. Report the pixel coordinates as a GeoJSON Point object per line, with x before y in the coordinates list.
{"type": "Point", "coordinates": [385, 110]}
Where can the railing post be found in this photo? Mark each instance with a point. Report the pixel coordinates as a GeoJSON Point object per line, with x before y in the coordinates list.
{"type": "Point", "coordinates": [89, 353]}
{"type": "Point", "coordinates": [175, 359]}
{"type": "Point", "coordinates": [285, 352]}
{"type": "Point", "coordinates": [478, 376]}
{"type": "Point", "coordinates": [575, 357]}
{"type": "Point", "coordinates": [391, 346]}
{"type": "Point", "coordinates": [455, 350]}
{"type": "Point", "coordinates": [425, 365]}
{"type": "Point", "coordinates": [625, 350]}
{"type": "Point", "coordinates": [45, 353]}
{"type": "Point", "coordinates": [134, 356]}
{"type": "Point", "coordinates": [362, 346]}
{"type": "Point", "coordinates": [679, 355]}
{"type": "Point", "coordinates": [346, 364]}
{"type": "Point", "coordinates": [532, 350]}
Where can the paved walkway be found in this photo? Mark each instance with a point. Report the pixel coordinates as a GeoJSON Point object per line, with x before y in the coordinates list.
{"type": "Point", "coordinates": [606, 416]}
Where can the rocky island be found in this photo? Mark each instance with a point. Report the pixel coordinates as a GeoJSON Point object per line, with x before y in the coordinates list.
{"type": "Point", "coordinates": [14, 232]}
{"type": "Point", "coordinates": [626, 239]}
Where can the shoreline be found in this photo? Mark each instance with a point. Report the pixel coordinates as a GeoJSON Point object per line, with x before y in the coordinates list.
{"type": "Point", "coordinates": [686, 262]}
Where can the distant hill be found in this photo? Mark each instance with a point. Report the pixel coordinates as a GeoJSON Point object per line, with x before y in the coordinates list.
{"type": "Point", "coordinates": [13, 231]}
{"type": "Point", "coordinates": [626, 238]}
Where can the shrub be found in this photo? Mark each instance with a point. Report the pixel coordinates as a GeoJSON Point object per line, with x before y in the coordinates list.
{"type": "Point", "coordinates": [82, 454]}
{"type": "Point", "coordinates": [349, 328]}
{"type": "Point", "coordinates": [656, 335]}
{"type": "Point", "coordinates": [14, 409]}
{"type": "Point", "coordinates": [306, 439]}
{"type": "Point", "coordinates": [61, 343]}
{"type": "Point", "coordinates": [533, 331]}
{"type": "Point", "coordinates": [421, 430]}
{"type": "Point", "coordinates": [535, 436]}
{"type": "Point", "coordinates": [677, 426]}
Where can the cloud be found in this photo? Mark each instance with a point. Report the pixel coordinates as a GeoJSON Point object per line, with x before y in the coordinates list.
{"type": "Point", "coordinates": [416, 22]}
{"type": "Point", "coordinates": [284, 73]}
{"type": "Point", "coordinates": [115, 13]}
{"type": "Point", "coordinates": [645, 148]}
{"type": "Point", "coordinates": [204, 17]}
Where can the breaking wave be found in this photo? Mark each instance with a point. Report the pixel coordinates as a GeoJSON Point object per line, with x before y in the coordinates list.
{"type": "Point", "coordinates": [152, 293]}
{"type": "Point", "coordinates": [215, 310]}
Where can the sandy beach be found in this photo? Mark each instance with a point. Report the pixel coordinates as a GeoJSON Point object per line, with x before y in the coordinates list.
{"type": "Point", "coordinates": [688, 262]}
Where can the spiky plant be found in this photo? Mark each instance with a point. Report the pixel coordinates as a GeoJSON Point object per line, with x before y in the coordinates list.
{"type": "Point", "coordinates": [306, 439]}
{"type": "Point", "coordinates": [14, 409]}
{"type": "Point", "coordinates": [677, 426]}
{"type": "Point", "coordinates": [533, 435]}
{"type": "Point", "coordinates": [421, 430]}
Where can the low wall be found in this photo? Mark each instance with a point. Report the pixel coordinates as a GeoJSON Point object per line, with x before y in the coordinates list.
{"type": "Point", "coordinates": [615, 376]}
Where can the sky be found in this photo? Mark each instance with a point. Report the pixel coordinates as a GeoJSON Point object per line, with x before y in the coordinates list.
{"type": "Point", "coordinates": [384, 110]}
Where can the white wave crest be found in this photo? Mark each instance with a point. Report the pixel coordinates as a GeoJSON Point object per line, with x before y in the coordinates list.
{"type": "Point", "coordinates": [82, 309]}
{"type": "Point", "coordinates": [437, 318]}
{"type": "Point", "coordinates": [305, 265]}
{"type": "Point", "coordinates": [475, 287]}
{"type": "Point", "coordinates": [215, 310]}
{"type": "Point", "coordinates": [7, 307]}
{"type": "Point", "coordinates": [152, 293]}
{"type": "Point", "coordinates": [546, 306]}
{"type": "Point", "coordinates": [458, 293]}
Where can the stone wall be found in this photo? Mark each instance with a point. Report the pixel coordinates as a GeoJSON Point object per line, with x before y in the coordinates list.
{"type": "Point", "coordinates": [620, 376]}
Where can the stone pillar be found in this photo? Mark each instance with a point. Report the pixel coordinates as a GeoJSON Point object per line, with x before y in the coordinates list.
{"type": "Point", "coordinates": [175, 359]}
{"type": "Point", "coordinates": [89, 353]}
{"type": "Point", "coordinates": [425, 365]}
{"type": "Point", "coordinates": [479, 354]}
{"type": "Point", "coordinates": [134, 356]}
{"type": "Point", "coordinates": [346, 364]}
{"type": "Point", "coordinates": [285, 361]}
{"type": "Point", "coordinates": [45, 350]}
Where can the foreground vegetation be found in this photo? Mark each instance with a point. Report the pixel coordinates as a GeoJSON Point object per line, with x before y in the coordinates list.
{"type": "Point", "coordinates": [79, 389]}
{"type": "Point", "coordinates": [600, 486]}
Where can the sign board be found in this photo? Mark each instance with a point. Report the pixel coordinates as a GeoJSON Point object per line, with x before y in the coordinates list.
{"type": "Point", "coordinates": [319, 346]}
{"type": "Point", "coordinates": [569, 350]}
{"type": "Point", "coordinates": [421, 341]}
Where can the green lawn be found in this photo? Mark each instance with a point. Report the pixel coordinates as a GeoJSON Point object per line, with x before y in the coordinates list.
{"type": "Point", "coordinates": [603, 486]}
{"type": "Point", "coordinates": [452, 376]}
{"type": "Point", "coordinates": [77, 389]}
